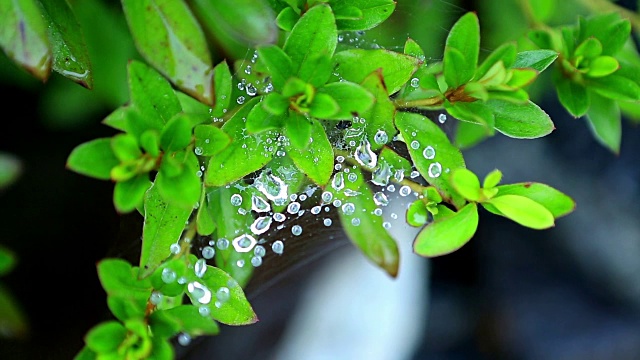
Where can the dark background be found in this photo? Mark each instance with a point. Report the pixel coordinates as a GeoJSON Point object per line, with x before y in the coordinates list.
{"type": "Point", "coordinates": [570, 292]}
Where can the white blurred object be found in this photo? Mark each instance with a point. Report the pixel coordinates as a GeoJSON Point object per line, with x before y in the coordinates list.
{"type": "Point", "coordinates": [353, 310]}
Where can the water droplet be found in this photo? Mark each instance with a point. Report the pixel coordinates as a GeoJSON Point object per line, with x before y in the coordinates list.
{"type": "Point", "coordinates": [302, 197]}
{"type": "Point", "coordinates": [386, 225]}
{"type": "Point", "coordinates": [415, 144]}
{"type": "Point", "coordinates": [222, 243]}
{"type": "Point", "coordinates": [327, 222]}
{"type": "Point", "coordinates": [380, 176]}
{"type": "Point", "coordinates": [399, 175]}
{"type": "Point", "coordinates": [200, 267]}
{"type": "Point", "coordinates": [277, 247]}
{"type": "Point", "coordinates": [279, 217]}
{"type": "Point", "coordinates": [391, 188]}
{"type": "Point", "coordinates": [259, 250]}
{"type": "Point", "coordinates": [415, 82]}
{"type": "Point", "coordinates": [338, 181]}
{"type": "Point", "coordinates": [208, 252]}
{"type": "Point", "coordinates": [259, 204]}
{"type": "Point", "coordinates": [394, 216]}
{"type": "Point", "coordinates": [337, 202]}
{"type": "Point", "coordinates": [168, 275]}
{"type": "Point", "coordinates": [240, 100]}
{"type": "Point", "coordinates": [316, 210]}
{"type": "Point", "coordinates": [435, 169]}
{"type": "Point", "coordinates": [293, 208]}
{"type": "Point", "coordinates": [256, 261]}
{"type": "Point", "coordinates": [184, 339]}
{"type": "Point", "coordinates": [348, 208]}
{"type": "Point", "coordinates": [247, 70]}
{"type": "Point", "coordinates": [296, 230]}
{"type": "Point", "coordinates": [405, 190]}
{"type": "Point", "coordinates": [377, 212]}
{"type": "Point", "coordinates": [223, 294]}
{"type": "Point", "coordinates": [352, 177]}
{"type": "Point", "coordinates": [155, 298]}
{"type": "Point", "coordinates": [355, 221]}
{"type": "Point", "coordinates": [240, 263]}
{"type": "Point", "coordinates": [204, 310]}
{"type": "Point", "coordinates": [326, 197]}
{"type": "Point", "coordinates": [236, 200]}
{"type": "Point", "coordinates": [380, 199]}
{"type": "Point", "coordinates": [273, 187]}
{"type": "Point", "coordinates": [198, 150]}
{"type": "Point", "coordinates": [364, 155]}
{"type": "Point", "coordinates": [381, 137]}
{"type": "Point", "coordinates": [251, 90]}
{"type": "Point", "coordinates": [442, 118]}
{"type": "Point", "coordinates": [414, 174]}
{"type": "Point", "coordinates": [244, 243]}
{"type": "Point", "coordinates": [199, 292]}
{"type": "Point", "coordinates": [429, 152]}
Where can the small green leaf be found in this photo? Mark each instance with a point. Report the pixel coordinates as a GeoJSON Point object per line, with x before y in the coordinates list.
{"type": "Point", "coordinates": [492, 179]}
{"type": "Point", "coordinates": [356, 64]}
{"type": "Point", "coordinates": [522, 210]}
{"type": "Point", "coordinates": [177, 268]}
{"type": "Point", "coordinates": [210, 139]}
{"type": "Point", "coordinates": [190, 320]}
{"type": "Point", "coordinates": [129, 195]}
{"type": "Point", "coordinates": [105, 337]}
{"type": "Point", "coordinates": [244, 155]}
{"type": "Point", "coordinates": [8, 260]}
{"type": "Point", "coordinates": [615, 87]}
{"type": "Point", "coordinates": [317, 160]}
{"type": "Point", "coordinates": [522, 77]}
{"type": "Point", "coordinates": [260, 119]}
{"type": "Point", "coordinates": [347, 12]}
{"type": "Point", "coordinates": [469, 134]}
{"type": "Point", "coordinates": [315, 33]}
{"type": "Point", "coordinates": [152, 95]}
{"type": "Point", "coordinates": [466, 184]}
{"type": "Point", "coordinates": [169, 37]}
{"type": "Point", "coordinates": [222, 87]}
{"type": "Point", "coordinates": [589, 48]}
{"type": "Point", "coordinates": [275, 103]}
{"type": "Point", "coordinates": [417, 214]}
{"type": "Point", "coordinates": [447, 233]}
{"type": "Point", "coordinates": [522, 121]}
{"type": "Point", "coordinates": [352, 98]}
{"type": "Point", "coordinates": [461, 50]}
{"type": "Point", "coordinates": [379, 118]}
{"type": "Point", "coordinates": [94, 158]}
{"type": "Point", "coordinates": [602, 66]}
{"type": "Point", "coordinates": [474, 112]}
{"type": "Point", "coordinates": [323, 106]}
{"type": "Point", "coordinates": [23, 37]}
{"type": "Point", "coordinates": [150, 142]}
{"type": "Point", "coordinates": [176, 134]}
{"type": "Point", "coordinates": [555, 201]}
{"type": "Point", "coordinates": [278, 63]}
{"type": "Point", "coordinates": [411, 47]}
{"type": "Point", "coordinates": [298, 130]}
{"type": "Point", "coordinates": [294, 86]}
{"type": "Point", "coordinates": [612, 30]}
{"type": "Point", "coordinates": [125, 147]}
{"type": "Point", "coordinates": [162, 227]}
{"type": "Point", "coordinates": [441, 157]}
{"type": "Point", "coordinates": [538, 60]}
{"type": "Point", "coordinates": [373, 13]}
{"type": "Point", "coordinates": [316, 69]}
{"type": "Point", "coordinates": [365, 229]}
{"type": "Point", "coordinates": [605, 121]}
{"type": "Point", "coordinates": [287, 19]}
{"type": "Point", "coordinates": [184, 188]}
{"type": "Point", "coordinates": [505, 53]}
{"type": "Point", "coordinates": [573, 97]}
{"type": "Point", "coordinates": [118, 278]}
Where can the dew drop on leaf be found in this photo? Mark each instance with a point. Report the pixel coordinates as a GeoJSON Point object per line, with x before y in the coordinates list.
{"type": "Point", "coordinates": [355, 221]}
{"type": "Point", "coordinates": [236, 200]}
{"type": "Point", "coordinates": [184, 339]}
{"type": "Point", "coordinates": [155, 298]}
{"type": "Point", "coordinates": [326, 197]}
{"type": "Point", "coordinates": [380, 199]}
{"type": "Point", "coordinates": [168, 276]}
{"type": "Point", "coordinates": [256, 261]}
{"type": "Point", "coordinates": [199, 292]}
{"type": "Point", "coordinates": [429, 152]}
{"type": "Point", "coordinates": [200, 267]}
{"type": "Point", "coordinates": [435, 169]}
{"type": "Point", "coordinates": [293, 207]}
{"type": "Point", "coordinates": [277, 247]}
{"type": "Point", "coordinates": [296, 230]}
{"type": "Point", "coordinates": [415, 82]}
{"type": "Point", "coordinates": [381, 137]}
{"type": "Point", "coordinates": [222, 243]}
{"type": "Point", "coordinates": [259, 204]}
{"type": "Point", "coordinates": [364, 155]}
{"type": "Point", "coordinates": [261, 225]}
{"type": "Point", "coordinates": [415, 144]}
{"type": "Point", "coordinates": [223, 294]}
{"type": "Point", "coordinates": [204, 310]}
{"type": "Point", "coordinates": [442, 118]}
{"type": "Point", "coordinates": [245, 243]}
{"type": "Point", "coordinates": [380, 176]}
{"type": "Point", "coordinates": [279, 217]}
{"type": "Point", "coordinates": [208, 252]}
{"type": "Point", "coordinates": [338, 181]}
{"type": "Point", "coordinates": [259, 250]}
{"type": "Point", "coordinates": [348, 208]}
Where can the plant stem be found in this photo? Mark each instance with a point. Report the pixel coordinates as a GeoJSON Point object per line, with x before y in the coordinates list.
{"type": "Point", "coordinates": [432, 101]}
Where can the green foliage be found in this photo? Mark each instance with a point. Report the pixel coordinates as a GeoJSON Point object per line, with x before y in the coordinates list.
{"type": "Point", "coordinates": [238, 109]}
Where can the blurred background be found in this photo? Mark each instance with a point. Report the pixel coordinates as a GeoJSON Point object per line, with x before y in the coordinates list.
{"type": "Point", "coordinates": [570, 292]}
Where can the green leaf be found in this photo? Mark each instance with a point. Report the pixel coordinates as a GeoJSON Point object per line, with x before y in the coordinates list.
{"type": "Point", "coordinates": [150, 142]}
{"type": "Point", "coordinates": [129, 195]}
{"type": "Point", "coordinates": [356, 64]}
{"type": "Point", "coordinates": [474, 112]}
{"type": "Point", "coordinates": [8, 260]}
{"type": "Point", "coordinates": [315, 33]}
{"type": "Point", "coordinates": [70, 55]}
{"type": "Point", "coordinates": [522, 210]}
{"type": "Point", "coordinates": [522, 121]}
{"type": "Point", "coordinates": [234, 308]}
{"type": "Point", "coordinates": [275, 103]}
{"type": "Point", "coordinates": [448, 233]}
{"type": "Point", "coordinates": [411, 47]}
{"type": "Point", "coordinates": [466, 184]}
{"type": "Point", "coordinates": [164, 277]}
{"type": "Point", "coordinates": [347, 12]}
{"type": "Point", "coordinates": [176, 134]}
{"type": "Point", "coordinates": [367, 232]}
{"type": "Point", "coordinates": [323, 106]}
{"type": "Point", "coordinates": [204, 219]}
{"type": "Point", "coordinates": [251, 22]}
{"type": "Point", "coordinates": [379, 118]}
{"type": "Point", "coordinates": [85, 354]}
{"type": "Point", "coordinates": [602, 66]}
{"type": "Point", "coordinates": [152, 95]}
{"type": "Point", "coordinates": [609, 28]}
{"type": "Point", "coordinates": [538, 60]}
{"type": "Point", "coordinates": [94, 158]}
{"type": "Point", "coordinates": [244, 155]}
{"type": "Point", "coordinates": [521, 77]}
{"type": "Point", "coordinates": [162, 227]}
{"type": "Point", "coordinates": [589, 48]}
{"type": "Point", "coordinates": [184, 188]}
{"type": "Point", "coordinates": [505, 53]}
{"type": "Point", "coordinates": [469, 134]}
{"type": "Point", "coordinates": [125, 147]}
{"type": "Point", "coordinates": [445, 157]}
{"type": "Point", "coordinates": [316, 69]}
{"type": "Point", "coordinates": [260, 119]}
{"type": "Point", "coordinates": [615, 87]}
{"type": "Point", "coordinates": [190, 320]}
{"type": "Point", "coordinates": [118, 278]}
{"type": "Point", "coordinates": [210, 140]}
{"type": "Point", "coordinates": [555, 201]}
{"type": "Point", "coordinates": [605, 121]}
{"type": "Point", "coordinates": [417, 214]}
{"type": "Point", "coordinates": [278, 63]}
{"type": "Point", "coordinates": [317, 160]}
{"type": "Point", "coordinates": [492, 179]}
{"type": "Point", "coordinates": [374, 12]}
{"type": "Point", "coordinates": [298, 130]}
{"type": "Point", "coordinates": [572, 96]}
{"type": "Point", "coordinates": [352, 98]}
{"type": "Point", "coordinates": [169, 37]}
{"type": "Point", "coordinates": [461, 50]}
{"type": "Point", "coordinates": [105, 337]}
{"type": "Point", "coordinates": [222, 87]}
{"type": "Point", "coordinates": [23, 37]}
{"type": "Point", "coordinates": [287, 19]}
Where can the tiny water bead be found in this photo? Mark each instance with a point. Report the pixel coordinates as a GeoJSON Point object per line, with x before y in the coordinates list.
{"type": "Point", "coordinates": [236, 200]}
{"type": "Point", "coordinates": [352, 177]}
{"type": "Point", "coordinates": [414, 174]}
{"type": "Point", "coordinates": [348, 208]}
{"type": "Point", "coordinates": [174, 248]}
{"type": "Point", "coordinates": [204, 310]}
{"type": "Point", "coordinates": [442, 118]}
{"type": "Point", "coordinates": [240, 263]}
{"type": "Point", "coordinates": [380, 199]}
{"type": "Point", "coordinates": [198, 150]}
{"type": "Point", "coordinates": [200, 267]}
{"type": "Point", "coordinates": [259, 250]}
{"type": "Point", "coordinates": [296, 230]}
{"type": "Point", "coordinates": [223, 294]}
{"type": "Point", "coordinates": [404, 190]}
{"type": "Point", "coordinates": [381, 137]}
{"type": "Point", "coordinates": [293, 208]}
{"type": "Point", "coordinates": [168, 276]}
{"type": "Point", "coordinates": [435, 169]}
{"type": "Point", "coordinates": [199, 292]}
{"type": "Point", "coordinates": [222, 243]}
{"type": "Point", "coordinates": [261, 225]}
{"type": "Point", "coordinates": [429, 152]}
{"type": "Point", "coordinates": [256, 261]}
{"type": "Point", "coordinates": [337, 203]}
{"type": "Point", "coordinates": [240, 100]}
{"type": "Point", "coordinates": [355, 221]}
{"type": "Point", "coordinates": [415, 82]}
{"type": "Point", "coordinates": [155, 298]}
{"type": "Point", "coordinates": [259, 204]}
{"type": "Point", "coordinates": [415, 144]}
{"type": "Point", "coordinates": [244, 243]}
{"type": "Point", "coordinates": [184, 339]}
{"type": "Point", "coordinates": [277, 247]}
{"type": "Point", "coordinates": [279, 217]}
{"type": "Point", "coordinates": [327, 222]}
{"type": "Point", "coordinates": [208, 252]}
{"type": "Point", "coordinates": [377, 212]}
{"type": "Point", "coordinates": [316, 210]}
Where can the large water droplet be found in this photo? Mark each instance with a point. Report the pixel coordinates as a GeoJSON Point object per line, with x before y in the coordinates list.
{"type": "Point", "coordinates": [261, 225]}
{"type": "Point", "coordinates": [435, 169]}
{"type": "Point", "coordinates": [223, 294]}
{"type": "Point", "coordinates": [380, 176]}
{"type": "Point", "coordinates": [348, 208]}
{"type": "Point", "coordinates": [380, 199]}
{"type": "Point", "coordinates": [326, 197]}
{"type": "Point", "coordinates": [429, 152]}
{"type": "Point", "coordinates": [381, 137]}
{"type": "Point", "coordinates": [415, 82]}
{"type": "Point", "coordinates": [338, 181]}
{"type": "Point", "coordinates": [184, 339]}
{"type": "Point", "coordinates": [236, 200]}
{"type": "Point", "coordinates": [200, 267]}
{"type": "Point", "coordinates": [327, 222]}
{"type": "Point", "coordinates": [208, 252]}
{"type": "Point", "coordinates": [244, 243]}
{"type": "Point", "coordinates": [442, 118]}
{"type": "Point", "coordinates": [404, 190]}
{"type": "Point", "coordinates": [277, 247]}
{"type": "Point", "coordinates": [415, 144]}
{"type": "Point", "coordinates": [222, 243]}
{"type": "Point", "coordinates": [293, 208]}
{"type": "Point", "coordinates": [199, 292]}
{"type": "Point", "coordinates": [259, 204]}
{"type": "Point", "coordinates": [168, 276]}
{"type": "Point", "coordinates": [364, 155]}
{"type": "Point", "coordinates": [259, 250]}
{"type": "Point", "coordinates": [279, 217]}
{"type": "Point", "coordinates": [256, 261]}
{"type": "Point", "coordinates": [296, 230]}
{"type": "Point", "coordinates": [273, 187]}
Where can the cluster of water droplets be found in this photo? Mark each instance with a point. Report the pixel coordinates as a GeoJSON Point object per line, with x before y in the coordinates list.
{"type": "Point", "coordinates": [251, 87]}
